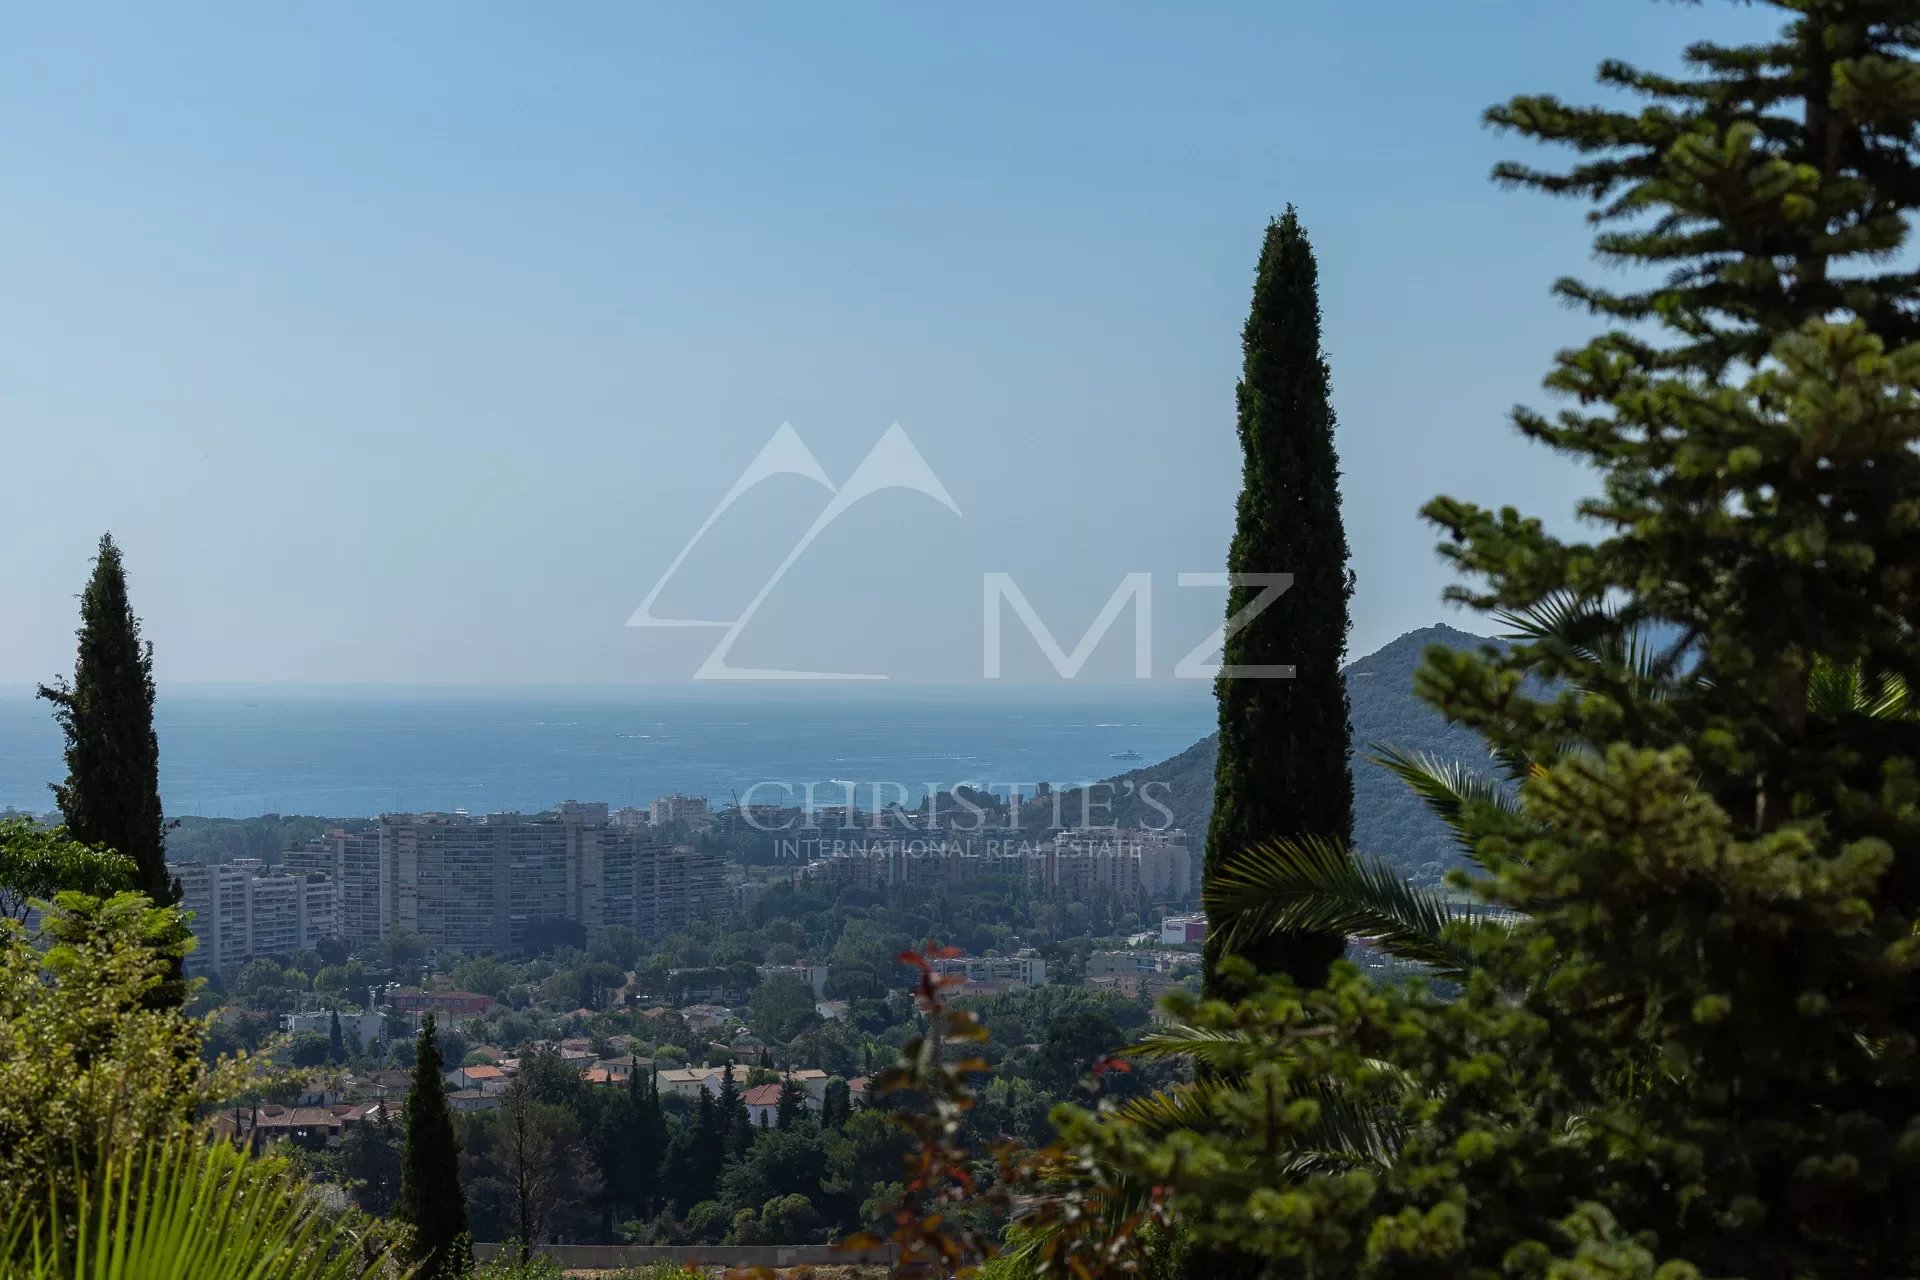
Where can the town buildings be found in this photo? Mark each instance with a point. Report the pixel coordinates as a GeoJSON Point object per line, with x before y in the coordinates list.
{"type": "Point", "coordinates": [352, 860]}
{"type": "Point", "coordinates": [693, 811]}
{"type": "Point", "coordinates": [1025, 969]}
{"type": "Point", "coordinates": [243, 911]}
{"type": "Point", "coordinates": [479, 884]}
{"type": "Point", "coordinates": [1177, 930]}
{"type": "Point", "coordinates": [1153, 866]}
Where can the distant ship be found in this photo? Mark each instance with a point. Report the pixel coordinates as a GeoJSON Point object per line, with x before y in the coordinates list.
{"type": "Point", "coordinates": [1128, 755]}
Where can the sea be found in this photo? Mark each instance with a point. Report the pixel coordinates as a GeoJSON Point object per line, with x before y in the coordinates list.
{"type": "Point", "coordinates": [234, 751]}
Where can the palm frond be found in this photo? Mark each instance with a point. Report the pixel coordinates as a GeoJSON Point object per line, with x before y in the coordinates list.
{"type": "Point", "coordinates": [1184, 1107]}
{"type": "Point", "coordinates": [1316, 885]}
{"type": "Point", "coordinates": [1447, 787]}
{"type": "Point", "coordinates": [191, 1209]}
{"type": "Point", "coordinates": [1838, 689]}
{"type": "Point", "coordinates": [1182, 1041]}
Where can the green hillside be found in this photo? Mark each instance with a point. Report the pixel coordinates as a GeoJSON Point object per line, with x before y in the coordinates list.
{"type": "Point", "coordinates": [1388, 819]}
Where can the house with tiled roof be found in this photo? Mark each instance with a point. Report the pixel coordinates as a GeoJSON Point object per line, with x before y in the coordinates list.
{"type": "Point", "coordinates": [473, 1100]}
{"type": "Point", "coordinates": [486, 1078]}
{"type": "Point", "coordinates": [312, 1127]}
{"type": "Point", "coordinates": [763, 1103]}
{"type": "Point", "coordinates": [814, 1081]}
{"type": "Point", "coordinates": [686, 1081]}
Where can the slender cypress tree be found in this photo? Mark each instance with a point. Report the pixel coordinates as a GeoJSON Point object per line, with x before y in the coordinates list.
{"type": "Point", "coordinates": [646, 1140]}
{"type": "Point", "coordinates": [1284, 743]}
{"type": "Point", "coordinates": [336, 1041]}
{"type": "Point", "coordinates": [837, 1105]}
{"type": "Point", "coordinates": [736, 1126]}
{"type": "Point", "coordinates": [111, 798]}
{"type": "Point", "coordinates": [431, 1199]}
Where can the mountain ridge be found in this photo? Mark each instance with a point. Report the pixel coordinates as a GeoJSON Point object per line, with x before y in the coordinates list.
{"type": "Point", "coordinates": [1389, 820]}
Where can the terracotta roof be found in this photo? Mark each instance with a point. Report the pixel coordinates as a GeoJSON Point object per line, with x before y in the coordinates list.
{"type": "Point", "coordinates": [763, 1095]}
{"type": "Point", "coordinates": [483, 1073]}
{"type": "Point", "coordinates": [299, 1118]}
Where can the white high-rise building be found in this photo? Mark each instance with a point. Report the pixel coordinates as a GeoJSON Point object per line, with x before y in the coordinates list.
{"type": "Point", "coordinates": [692, 810]}
{"type": "Point", "coordinates": [478, 884]}
{"type": "Point", "coordinates": [352, 859]}
{"type": "Point", "coordinates": [242, 911]}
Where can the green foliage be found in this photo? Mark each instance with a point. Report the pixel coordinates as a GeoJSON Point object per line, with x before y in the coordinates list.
{"type": "Point", "coordinates": [267, 836]}
{"type": "Point", "coordinates": [89, 1064]}
{"type": "Point", "coordinates": [307, 1049]}
{"type": "Point", "coordinates": [1694, 1053]}
{"type": "Point", "coordinates": [1282, 769]}
{"type": "Point", "coordinates": [111, 798]}
{"type": "Point", "coordinates": [181, 1206]}
{"type": "Point", "coordinates": [37, 862]}
{"type": "Point", "coordinates": [781, 1008]}
{"type": "Point", "coordinates": [484, 975]}
{"type": "Point", "coordinates": [1316, 885]}
{"type": "Point", "coordinates": [431, 1199]}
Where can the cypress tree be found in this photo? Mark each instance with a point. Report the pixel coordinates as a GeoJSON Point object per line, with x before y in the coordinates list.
{"type": "Point", "coordinates": [837, 1105]}
{"type": "Point", "coordinates": [431, 1199]}
{"type": "Point", "coordinates": [646, 1140]}
{"type": "Point", "coordinates": [736, 1126]}
{"type": "Point", "coordinates": [111, 798]}
{"type": "Point", "coordinates": [336, 1042]}
{"type": "Point", "coordinates": [1284, 743]}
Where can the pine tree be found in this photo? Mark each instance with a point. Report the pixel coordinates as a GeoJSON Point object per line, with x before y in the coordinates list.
{"type": "Point", "coordinates": [111, 798]}
{"type": "Point", "coordinates": [336, 1041]}
{"type": "Point", "coordinates": [1283, 769]}
{"type": "Point", "coordinates": [431, 1199]}
{"type": "Point", "coordinates": [736, 1125]}
{"type": "Point", "coordinates": [792, 1104]}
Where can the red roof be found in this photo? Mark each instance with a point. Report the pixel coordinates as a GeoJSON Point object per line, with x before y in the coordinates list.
{"type": "Point", "coordinates": [763, 1095]}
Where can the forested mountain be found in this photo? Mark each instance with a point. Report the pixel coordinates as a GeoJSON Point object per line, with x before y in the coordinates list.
{"type": "Point", "coordinates": [1388, 819]}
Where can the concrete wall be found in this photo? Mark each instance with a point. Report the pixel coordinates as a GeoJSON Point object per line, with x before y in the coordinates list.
{"type": "Point", "coordinates": [611, 1256]}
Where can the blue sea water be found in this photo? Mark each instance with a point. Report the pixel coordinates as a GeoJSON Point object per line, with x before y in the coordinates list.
{"type": "Point", "coordinates": [234, 752]}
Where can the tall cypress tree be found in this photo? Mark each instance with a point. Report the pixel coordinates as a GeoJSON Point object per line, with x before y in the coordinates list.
{"type": "Point", "coordinates": [431, 1198]}
{"type": "Point", "coordinates": [1284, 743]}
{"type": "Point", "coordinates": [736, 1126]}
{"type": "Point", "coordinates": [111, 798]}
{"type": "Point", "coordinates": [336, 1041]}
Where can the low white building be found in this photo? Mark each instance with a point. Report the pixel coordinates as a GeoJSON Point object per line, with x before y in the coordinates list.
{"type": "Point", "coordinates": [360, 1029]}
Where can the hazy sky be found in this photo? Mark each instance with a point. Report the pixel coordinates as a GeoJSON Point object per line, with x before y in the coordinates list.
{"type": "Point", "coordinates": [411, 343]}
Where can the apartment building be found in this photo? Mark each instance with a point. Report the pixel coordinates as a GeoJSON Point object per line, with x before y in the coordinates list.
{"type": "Point", "coordinates": [1026, 969]}
{"type": "Point", "coordinates": [1150, 864]}
{"type": "Point", "coordinates": [243, 911]}
{"type": "Point", "coordinates": [352, 860]}
{"type": "Point", "coordinates": [695, 811]}
{"type": "Point", "coordinates": [479, 884]}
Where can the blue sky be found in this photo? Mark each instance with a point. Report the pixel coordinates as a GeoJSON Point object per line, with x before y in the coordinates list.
{"type": "Point", "coordinates": [410, 343]}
